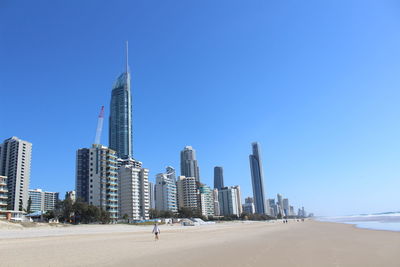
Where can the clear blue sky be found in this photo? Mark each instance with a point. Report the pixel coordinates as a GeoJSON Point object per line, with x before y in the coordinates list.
{"type": "Point", "coordinates": [315, 82]}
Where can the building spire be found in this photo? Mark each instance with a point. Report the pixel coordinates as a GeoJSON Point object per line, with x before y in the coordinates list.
{"type": "Point", "coordinates": [127, 63]}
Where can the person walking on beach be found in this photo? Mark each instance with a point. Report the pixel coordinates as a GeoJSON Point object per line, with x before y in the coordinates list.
{"type": "Point", "coordinates": [156, 231]}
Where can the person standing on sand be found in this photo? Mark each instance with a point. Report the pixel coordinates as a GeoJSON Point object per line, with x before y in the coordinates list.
{"type": "Point", "coordinates": [156, 231]}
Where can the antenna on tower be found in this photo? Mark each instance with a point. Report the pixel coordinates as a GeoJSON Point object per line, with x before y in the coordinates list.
{"type": "Point", "coordinates": [99, 126]}
{"type": "Point", "coordinates": [127, 65]}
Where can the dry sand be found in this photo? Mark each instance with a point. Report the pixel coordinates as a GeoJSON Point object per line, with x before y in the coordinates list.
{"type": "Point", "coordinates": [227, 244]}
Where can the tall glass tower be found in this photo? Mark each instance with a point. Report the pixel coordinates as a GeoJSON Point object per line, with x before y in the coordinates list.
{"type": "Point", "coordinates": [120, 123]}
{"type": "Point", "coordinates": [218, 177]}
{"type": "Point", "coordinates": [257, 179]}
{"type": "Point", "coordinates": [189, 166]}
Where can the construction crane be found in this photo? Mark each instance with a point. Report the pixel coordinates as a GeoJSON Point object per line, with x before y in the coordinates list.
{"type": "Point", "coordinates": [99, 126]}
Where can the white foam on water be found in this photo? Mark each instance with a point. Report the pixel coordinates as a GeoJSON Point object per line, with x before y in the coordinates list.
{"type": "Point", "coordinates": [389, 221]}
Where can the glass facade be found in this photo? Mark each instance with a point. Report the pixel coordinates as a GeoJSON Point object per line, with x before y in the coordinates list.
{"type": "Point", "coordinates": [257, 179]}
{"type": "Point", "coordinates": [189, 166]}
{"type": "Point", "coordinates": [207, 200]}
{"type": "Point", "coordinates": [120, 122]}
{"type": "Point", "coordinates": [218, 177]}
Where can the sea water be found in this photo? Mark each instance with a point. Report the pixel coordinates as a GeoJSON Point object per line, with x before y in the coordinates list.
{"type": "Point", "coordinates": [389, 221]}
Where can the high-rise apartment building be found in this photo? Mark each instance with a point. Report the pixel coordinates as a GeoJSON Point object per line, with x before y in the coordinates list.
{"type": "Point", "coordinates": [189, 166]}
{"type": "Point", "coordinates": [257, 179]}
{"type": "Point", "coordinates": [279, 200]}
{"type": "Point", "coordinates": [217, 211]}
{"type": "Point", "coordinates": [291, 211]}
{"type": "Point", "coordinates": [218, 177]}
{"type": "Point", "coordinates": [15, 163]}
{"type": "Point", "coordinates": [152, 195]}
{"type": "Point", "coordinates": [228, 201]}
{"type": "Point", "coordinates": [96, 178]}
{"type": "Point", "coordinates": [3, 193]}
{"type": "Point", "coordinates": [188, 193]}
{"type": "Point", "coordinates": [37, 199]}
{"type": "Point", "coordinates": [71, 195]}
{"type": "Point", "coordinates": [165, 191]}
{"type": "Point", "coordinates": [285, 206]}
{"type": "Point", "coordinates": [50, 200]}
{"type": "Point", "coordinates": [248, 206]}
{"type": "Point", "coordinates": [120, 121]}
{"type": "Point", "coordinates": [206, 200]}
{"type": "Point", "coordinates": [42, 200]}
{"type": "Point", "coordinates": [238, 199]}
{"type": "Point", "coordinates": [273, 211]}
{"type": "Point", "coordinates": [134, 191]}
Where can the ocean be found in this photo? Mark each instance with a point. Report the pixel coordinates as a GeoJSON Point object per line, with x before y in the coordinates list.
{"type": "Point", "coordinates": [389, 221]}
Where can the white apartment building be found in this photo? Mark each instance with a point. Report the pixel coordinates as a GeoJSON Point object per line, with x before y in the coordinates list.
{"type": "Point", "coordinates": [42, 200]}
{"type": "Point", "coordinates": [187, 193]}
{"type": "Point", "coordinates": [165, 191]}
{"type": "Point", "coordinates": [206, 200]}
{"type": "Point", "coordinates": [228, 201]}
{"type": "Point", "coordinates": [134, 192]}
{"type": "Point", "coordinates": [15, 163]}
{"type": "Point", "coordinates": [216, 203]}
{"type": "Point", "coordinates": [238, 199]}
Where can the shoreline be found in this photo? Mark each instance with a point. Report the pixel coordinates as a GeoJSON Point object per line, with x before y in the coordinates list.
{"type": "Point", "coordinates": [359, 225]}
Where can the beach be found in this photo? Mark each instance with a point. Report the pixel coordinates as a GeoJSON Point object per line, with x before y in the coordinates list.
{"type": "Point", "coordinates": [308, 243]}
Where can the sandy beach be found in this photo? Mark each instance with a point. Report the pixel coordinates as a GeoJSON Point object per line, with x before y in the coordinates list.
{"type": "Point", "coordinates": [309, 243]}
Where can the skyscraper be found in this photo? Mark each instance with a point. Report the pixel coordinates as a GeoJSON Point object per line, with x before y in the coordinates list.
{"type": "Point", "coordinates": [238, 199]}
{"type": "Point", "coordinates": [15, 163]}
{"type": "Point", "coordinates": [152, 195]}
{"type": "Point", "coordinates": [188, 193]}
{"type": "Point", "coordinates": [257, 179]}
{"type": "Point", "coordinates": [279, 201]}
{"type": "Point", "coordinates": [248, 205]}
{"type": "Point", "coordinates": [228, 201]}
{"type": "Point", "coordinates": [120, 122]}
{"type": "Point", "coordinates": [285, 205]}
{"type": "Point", "coordinates": [218, 177]}
{"type": "Point", "coordinates": [3, 193]}
{"type": "Point", "coordinates": [216, 202]}
{"type": "Point", "coordinates": [134, 191]}
{"type": "Point", "coordinates": [206, 200]}
{"type": "Point", "coordinates": [96, 178]}
{"type": "Point", "coordinates": [273, 209]}
{"type": "Point", "coordinates": [165, 191]}
{"type": "Point", "coordinates": [189, 166]}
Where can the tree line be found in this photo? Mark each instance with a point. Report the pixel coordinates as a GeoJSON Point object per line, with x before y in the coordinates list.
{"type": "Point", "coordinates": [194, 213]}
{"type": "Point", "coordinates": [79, 212]}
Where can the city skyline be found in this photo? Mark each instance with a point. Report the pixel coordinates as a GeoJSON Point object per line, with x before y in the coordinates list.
{"type": "Point", "coordinates": [321, 96]}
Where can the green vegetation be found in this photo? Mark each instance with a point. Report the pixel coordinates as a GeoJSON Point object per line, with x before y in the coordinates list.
{"type": "Point", "coordinates": [182, 213]}
{"type": "Point", "coordinates": [78, 212]}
